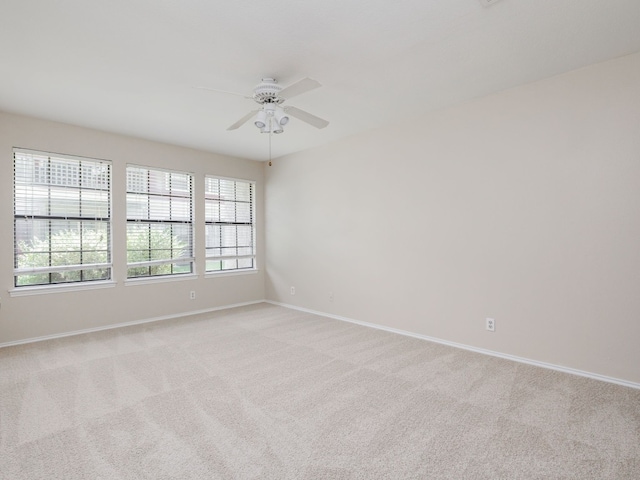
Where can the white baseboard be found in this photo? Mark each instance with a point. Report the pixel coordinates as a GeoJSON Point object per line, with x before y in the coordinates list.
{"type": "Point", "coordinates": [492, 353]}
{"type": "Point", "coordinates": [506, 356]}
{"type": "Point", "coordinates": [126, 324]}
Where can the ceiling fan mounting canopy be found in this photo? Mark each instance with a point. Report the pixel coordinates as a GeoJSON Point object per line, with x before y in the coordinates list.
{"type": "Point", "coordinates": [267, 92]}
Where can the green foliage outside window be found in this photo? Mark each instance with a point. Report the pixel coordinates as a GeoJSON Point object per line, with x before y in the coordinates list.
{"type": "Point", "coordinates": [67, 247]}
{"type": "Point", "coordinates": [148, 244]}
{"type": "Point", "coordinates": [71, 247]}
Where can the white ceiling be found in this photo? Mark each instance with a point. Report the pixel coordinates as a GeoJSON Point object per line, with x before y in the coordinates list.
{"type": "Point", "coordinates": [129, 66]}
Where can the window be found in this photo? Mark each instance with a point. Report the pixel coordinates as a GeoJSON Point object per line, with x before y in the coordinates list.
{"type": "Point", "coordinates": [229, 228]}
{"type": "Point", "coordinates": [159, 222]}
{"type": "Point", "coordinates": [62, 219]}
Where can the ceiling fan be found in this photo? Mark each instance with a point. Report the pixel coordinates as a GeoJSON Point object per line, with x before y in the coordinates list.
{"type": "Point", "coordinates": [272, 116]}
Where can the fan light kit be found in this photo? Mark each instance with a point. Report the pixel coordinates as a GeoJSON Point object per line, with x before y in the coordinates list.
{"type": "Point", "coordinates": [272, 116]}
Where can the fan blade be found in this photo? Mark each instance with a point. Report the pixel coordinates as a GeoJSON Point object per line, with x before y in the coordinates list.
{"type": "Point", "coordinates": [302, 86]}
{"type": "Point", "coordinates": [224, 91]}
{"type": "Point", "coordinates": [306, 117]}
{"type": "Point", "coordinates": [243, 120]}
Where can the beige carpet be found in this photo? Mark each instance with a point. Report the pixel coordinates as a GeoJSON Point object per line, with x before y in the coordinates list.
{"type": "Point", "coordinates": [268, 392]}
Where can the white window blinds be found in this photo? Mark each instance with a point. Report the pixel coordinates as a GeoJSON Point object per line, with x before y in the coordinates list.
{"type": "Point", "coordinates": [159, 222]}
{"type": "Point", "coordinates": [62, 219]}
{"type": "Point", "coordinates": [229, 224]}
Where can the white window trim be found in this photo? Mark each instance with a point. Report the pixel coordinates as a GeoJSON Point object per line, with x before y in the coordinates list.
{"type": "Point", "coordinates": [175, 277]}
{"type": "Point", "coordinates": [60, 288]}
{"type": "Point", "coordinates": [231, 273]}
{"type": "Point", "coordinates": [192, 259]}
{"type": "Point", "coordinates": [151, 263]}
{"type": "Point", "coordinates": [20, 290]}
{"type": "Point", "coordinates": [253, 256]}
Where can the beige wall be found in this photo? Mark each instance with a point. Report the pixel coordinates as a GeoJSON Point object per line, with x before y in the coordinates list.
{"type": "Point", "coordinates": [523, 206]}
{"type": "Point", "coordinates": [32, 316]}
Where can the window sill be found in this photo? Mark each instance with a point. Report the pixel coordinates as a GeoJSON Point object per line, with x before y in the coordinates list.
{"type": "Point", "coordinates": [231, 273]}
{"type": "Point", "coordinates": [61, 288]}
{"type": "Point", "coordinates": [159, 279]}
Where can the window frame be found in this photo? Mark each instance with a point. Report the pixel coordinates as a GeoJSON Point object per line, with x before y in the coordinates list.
{"type": "Point", "coordinates": [58, 166]}
{"type": "Point", "coordinates": [131, 220]}
{"type": "Point", "coordinates": [207, 223]}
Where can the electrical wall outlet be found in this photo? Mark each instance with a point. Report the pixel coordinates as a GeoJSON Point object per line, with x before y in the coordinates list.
{"type": "Point", "coordinates": [293, 290]}
{"type": "Point", "coordinates": [192, 295]}
{"type": "Point", "coordinates": [331, 296]}
{"type": "Point", "coordinates": [491, 324]}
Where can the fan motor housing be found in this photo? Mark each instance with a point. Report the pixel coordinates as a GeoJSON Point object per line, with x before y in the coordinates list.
{"type": "Point", "coordinates": [267, 92]}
